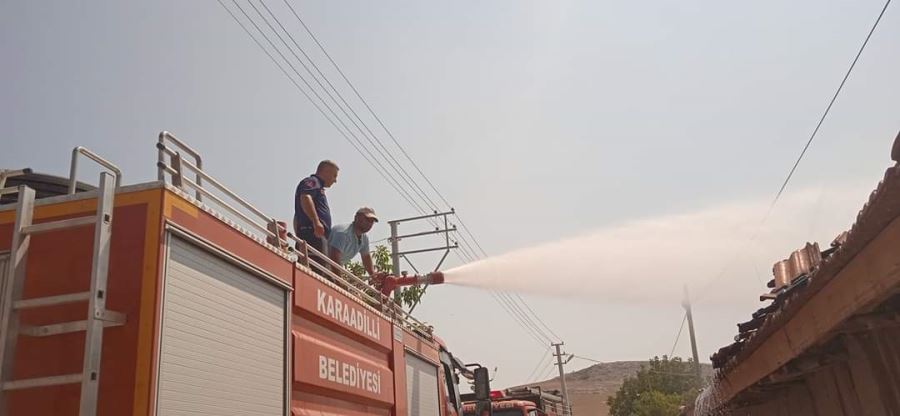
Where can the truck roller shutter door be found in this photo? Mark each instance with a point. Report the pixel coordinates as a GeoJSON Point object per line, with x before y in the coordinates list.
{"type": "Point", "coordinates": [222, 338]}
{"type": "Point", "coordinates": [421, 387]}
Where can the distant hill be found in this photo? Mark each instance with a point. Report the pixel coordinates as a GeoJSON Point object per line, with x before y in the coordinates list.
{"type": "Point", "coordinates": [590, 387]}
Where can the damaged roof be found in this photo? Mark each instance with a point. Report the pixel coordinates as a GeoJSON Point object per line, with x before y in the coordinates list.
{"type": "Point", "coordinates": [881, 209]}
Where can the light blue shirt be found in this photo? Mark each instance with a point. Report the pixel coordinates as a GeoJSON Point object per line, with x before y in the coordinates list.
{"type": "Point", "coordinates": [344, 238]}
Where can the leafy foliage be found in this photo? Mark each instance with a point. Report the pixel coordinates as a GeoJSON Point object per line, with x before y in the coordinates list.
{"type": "Point", "coordinates": [658, 389]}
{"type": "Point", "coordinates": [381, 257]}
{"type": "Point", "coordinates": [657, 403]}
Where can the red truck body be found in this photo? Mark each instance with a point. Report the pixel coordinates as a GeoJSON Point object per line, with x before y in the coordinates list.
{"type": "Point", "coordinates": [215, 319]}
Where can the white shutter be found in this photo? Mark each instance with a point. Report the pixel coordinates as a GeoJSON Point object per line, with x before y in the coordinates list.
{"type": "Point", "coordinates": [421, 387]}
{"type": "Point", "coordinates": [222, 342]}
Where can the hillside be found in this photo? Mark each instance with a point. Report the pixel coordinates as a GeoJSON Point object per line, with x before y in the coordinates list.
{"type": "Point", "coordinates": [590, 387]}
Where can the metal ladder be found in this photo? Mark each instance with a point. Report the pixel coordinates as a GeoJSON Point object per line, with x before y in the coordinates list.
{"type": "Point", "coordinates": [98, 317]}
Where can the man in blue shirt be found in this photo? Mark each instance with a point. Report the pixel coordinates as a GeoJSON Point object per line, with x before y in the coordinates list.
{"type": "Point", "coordinates": [312, 216]}
{"type": "Point", "coordinates": [348, 239]}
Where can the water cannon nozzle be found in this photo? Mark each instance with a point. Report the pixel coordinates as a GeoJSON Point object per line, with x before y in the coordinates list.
{"type": "Point", "coordinates": [435, 278]}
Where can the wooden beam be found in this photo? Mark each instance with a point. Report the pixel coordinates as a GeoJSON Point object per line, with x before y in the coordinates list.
{"type": "Point", "coordinates": [867, 280]}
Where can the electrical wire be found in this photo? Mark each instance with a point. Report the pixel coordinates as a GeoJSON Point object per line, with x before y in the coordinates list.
{"type": "Point", "coordinates": [678, 336]}
{"type": "Point", "coordinates": [302, 91]}
{"type": "Point", "coordinates": [516, 296]}
{"type": "Point", "coordinates": [547, 372]}
{"type": "Point", "coordinates": [528, 319]}
{"type": "Point", "coordinates": [828, 108]}
{"type": "Point", "coordinates": [398, 169]}
{"type": "Point", "coordinates": [806, 146]}
{"type": "Point", "coordinates": [587, 359]}
{"type": "Point", "coordinates": [368, 107]}
{"type": "Point", "coordinates": [510, 311]}
{"type": "Point", "coordinates": [316, 93]}
{"type": "Point", "coordinates": [538, 366]}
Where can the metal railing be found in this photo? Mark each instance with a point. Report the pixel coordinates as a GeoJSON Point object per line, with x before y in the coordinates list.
{"type": "Point", "coordinates": [73, 168]}
{"type": "Point", "coordinates": [170, 164]}
{"type": "Point", "coordinates": [164, 137]}
{"type": "Point", "coordinates": [9, 173]}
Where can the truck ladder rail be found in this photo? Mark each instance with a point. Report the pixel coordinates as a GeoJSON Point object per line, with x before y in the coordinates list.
{"type": "Point", "coordinates": [97, 317]}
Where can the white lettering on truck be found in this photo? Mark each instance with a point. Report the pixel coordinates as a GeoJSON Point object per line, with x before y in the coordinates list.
{"type": "Point", "coordinates": [348, 315]}
{"type": "Point", "coordinates": [347, 374]}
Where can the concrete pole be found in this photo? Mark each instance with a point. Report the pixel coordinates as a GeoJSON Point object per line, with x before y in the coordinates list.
{"type": "Point", "coordinates": [690, 320]}
{"type": "Point", "coordinates": [562, 375]}
{"type": "Point", "coordinates": [395, 258]}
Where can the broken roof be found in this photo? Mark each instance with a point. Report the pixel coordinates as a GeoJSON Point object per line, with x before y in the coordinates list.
{"type": "Point", "coordinates": [789, 297]}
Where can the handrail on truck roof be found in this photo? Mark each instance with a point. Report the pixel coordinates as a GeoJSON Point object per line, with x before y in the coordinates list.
{"type": "Point", "coordinates": [73, 167]}
{"type": "Point", "coordinates": [171, 165]}
{"type": "Point", "coordinates": [165, 136]}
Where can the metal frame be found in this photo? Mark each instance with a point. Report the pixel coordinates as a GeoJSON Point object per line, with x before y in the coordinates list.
{"type": "Point", "coordinates": [90, 382]}
{"type": "Point", "coordinates": [176, 171]}
{"type": "Point", "coordinates": [396, 254]}
{"type": "Point", "coordinates": [98, 317]}
{"type": "Point", "coordinates": [9, 173]}
{"type": "Point", "coordinates": [153, 406]}
{"type": "Point", "coordinates": [226, 255]}
{"type": "Point", "coordinates": [73, 167]}
{"type": "Point", "coordinates": [80, 196]}
{"type": "Point", "coordinates": [288, 352]}
{"type": "Point", "coordinates": [165, 136]}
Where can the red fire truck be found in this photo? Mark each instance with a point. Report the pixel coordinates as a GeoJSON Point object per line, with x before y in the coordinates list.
{"type": "Point", "coordinates": [520, 401]}
{"type": "Point", "coordinates": [178, 297]}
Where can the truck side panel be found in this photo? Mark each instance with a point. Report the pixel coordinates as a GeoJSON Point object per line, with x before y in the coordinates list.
{"type": "Point", "coordinates": [341, 352]}
{"type": "Point", "coordinates": [210, 233]}
{"type": "Point", "coordinates": [344, 357]}
{"type": "Point", "coordinates": [60, 263]}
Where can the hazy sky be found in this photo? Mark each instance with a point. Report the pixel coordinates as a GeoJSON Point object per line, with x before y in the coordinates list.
{"type": "Point", "coordinates": [625, 121]}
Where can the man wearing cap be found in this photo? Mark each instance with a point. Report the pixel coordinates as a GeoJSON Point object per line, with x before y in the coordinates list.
{"type": "Point", "coordinates": [348, 239]}
{"type": "Point", "coordinates": [312, 216]}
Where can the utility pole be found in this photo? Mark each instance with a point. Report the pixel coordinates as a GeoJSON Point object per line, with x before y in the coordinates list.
{"type": "Point", "coordinates": [395, 251]}
{"type": "Point", "coordinates": [690, 319]}
{"type": "Point", "coordinates": [395, 238]}
{"type": "Point", "coordinates": [562, 373]}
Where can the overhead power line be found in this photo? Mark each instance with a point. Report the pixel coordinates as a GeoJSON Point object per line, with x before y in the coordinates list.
{"type": "Point", "coordinates": [543, 360]}
{"type": "Point", "coordinates": [556, 338]}
{"type": "Point", "coordinates": [516, 307]}
{"type": "Point", "coordinates": [548, 372]}
{"type": "Point", "coordinates": [587, 359]}
{"type": "Point", "coordinates": [828, 108]}
{"type": "Point", "coordinates": [533, 317]}
{"type": "Point", "coordinates": [678, 336]}
{"type": "Point", "coordinates": [366, 104]}
{"type": "Point", "coordinates": [380, 148]}
{"type": "Point", "coordinates": [384, 127]}
{"type": "Point", "coordinates": [511, 311]}
{"type": "Point", "coordinates": [304, 93]}
{"type": "Point", "coordinates": [806, 146]}
{"type": "Point", "coordinates": [325, 90]}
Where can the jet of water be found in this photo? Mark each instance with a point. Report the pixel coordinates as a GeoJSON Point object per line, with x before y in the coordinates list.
{"type": "Point", "coordinates": [650, 260]}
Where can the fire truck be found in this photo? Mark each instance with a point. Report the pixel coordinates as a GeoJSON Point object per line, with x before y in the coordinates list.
{"type": "Point", "coordinates": [520, 401]}
{"type": "Point", "coordinates": [178, 297]}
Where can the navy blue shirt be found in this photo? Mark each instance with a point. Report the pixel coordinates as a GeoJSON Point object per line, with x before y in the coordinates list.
{"type": "Point", "coordinates": [312, 186]}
